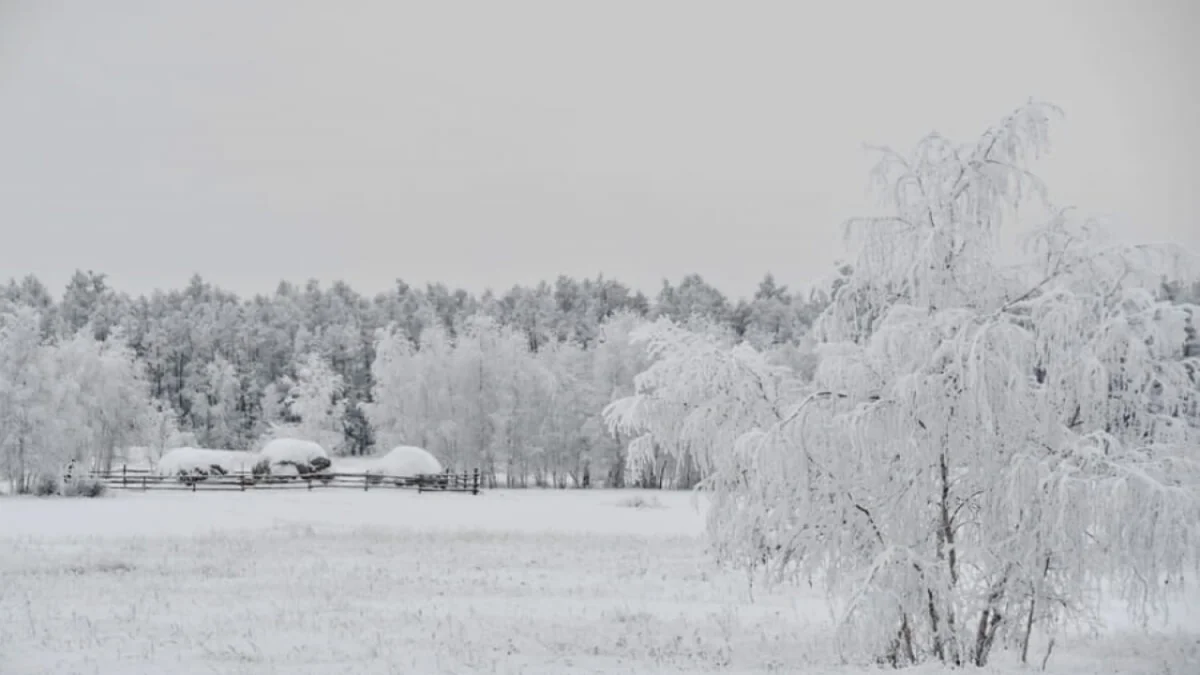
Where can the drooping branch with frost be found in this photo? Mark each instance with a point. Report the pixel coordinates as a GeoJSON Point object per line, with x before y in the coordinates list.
{"type": "Point", "coordinates": [697, 396]}
{"type": "Point", "coordinates": [988, 445]}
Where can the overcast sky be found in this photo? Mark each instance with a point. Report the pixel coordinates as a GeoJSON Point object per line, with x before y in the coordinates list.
{"type": "Point", "coordinates": [490, 143]}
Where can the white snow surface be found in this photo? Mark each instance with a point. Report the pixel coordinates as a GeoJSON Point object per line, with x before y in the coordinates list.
{"type": "Point", "coordinates": [189, 459]}
{"type": "Point", "coordinates": [387, 581]}
{"type": "Point", "coordinates": [291, 450]}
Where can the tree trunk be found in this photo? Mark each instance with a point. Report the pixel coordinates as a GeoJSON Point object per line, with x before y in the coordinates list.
{"type": "Point", "coordinates": [985, 635]}
{"type": "Point", "coordinates": [946, 644]}
{"type": "Point", "coordinates": [23, 485]}
{"type": "Point", "coordinates": [1030, 617]}
{"type": "Point", "coordinates": [900, 652]}
{"type": "Point", "coordinates": [616, 471]}
{"type": "Point", "coordinates": [1028, 630]}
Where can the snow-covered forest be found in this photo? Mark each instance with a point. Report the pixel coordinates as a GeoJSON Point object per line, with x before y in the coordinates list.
{"type": "Point", "coordinates": [513, 383]}
{"type": "Point", "coordinates": [516, 383]}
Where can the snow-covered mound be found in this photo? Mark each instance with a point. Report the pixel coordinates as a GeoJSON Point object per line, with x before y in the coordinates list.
{"type": "Point", "coordinates": [288, 456]}
{"type": "Point", "coordinates": [406, 460]}
{"type": "Point", "coordinates": [202, 461]}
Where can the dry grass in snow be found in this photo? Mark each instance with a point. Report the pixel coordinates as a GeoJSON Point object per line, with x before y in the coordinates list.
{"type": "Point", "coordinates": [394, 582]}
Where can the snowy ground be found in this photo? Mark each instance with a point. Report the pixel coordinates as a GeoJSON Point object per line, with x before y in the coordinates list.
{"type": "Point", "coordinates": [390, 581]}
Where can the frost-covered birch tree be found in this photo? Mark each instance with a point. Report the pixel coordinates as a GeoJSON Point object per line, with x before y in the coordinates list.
{"type": "Point", "coordinates": [397, 392]}
{"type": "Point", "coordinates": [28, 398]}
{"type": "Point", "coordinates": [106, 404]}
{"type": "Point", "coordinates": [565, 429]}
{"type": "Point", "coordinates": [413, 398]}
{"type": "Point", "coordinates": [616, 361]}
{"type": "Point", "coordinates": [213, 402]}
{"type": "Point", "coordinates": [988, 447]}
{"type": "Point", "coordinates": [80, 398]}
{"type": "Point", "coordinates": [524, 390]}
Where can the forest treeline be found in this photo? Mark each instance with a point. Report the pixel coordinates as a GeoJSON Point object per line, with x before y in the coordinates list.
{"type": "Point", "coordinates": [513, 382]}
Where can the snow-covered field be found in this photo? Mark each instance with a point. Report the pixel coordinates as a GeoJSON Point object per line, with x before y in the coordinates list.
{"type": "Point", "coordinates": [391, 581]}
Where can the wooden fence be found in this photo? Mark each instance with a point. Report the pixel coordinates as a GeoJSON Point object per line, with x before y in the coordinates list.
{"type": "Point", "coordinates": [129, 478]}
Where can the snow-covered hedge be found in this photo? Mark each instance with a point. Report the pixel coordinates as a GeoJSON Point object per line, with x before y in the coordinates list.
{"type": "Point", "coordinates": [204, 462]}
{"type": "Point", "coordinates": [291, 456]}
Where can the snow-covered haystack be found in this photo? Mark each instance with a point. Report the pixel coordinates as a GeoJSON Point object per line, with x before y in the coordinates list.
{"type": "Point", "coordinates": [291, 456]}
{"type": "Point", "coordinates": [205, 462]}
{"type": "Point", "coordinates": [406, 461]}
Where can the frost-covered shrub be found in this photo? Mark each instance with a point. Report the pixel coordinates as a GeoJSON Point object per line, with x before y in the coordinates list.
{"type": "Point", "coordinates": [46, 485]}
{"type": "Point", "coordinates": [84, 487]}
{"type": "Point", "coordinates": [49, 485]}
{"type": "Point", "coordinates": [261, 468]}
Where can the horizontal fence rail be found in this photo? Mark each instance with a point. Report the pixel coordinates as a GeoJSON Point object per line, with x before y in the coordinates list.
{"type": "Point", "coordinates": [147, 479]}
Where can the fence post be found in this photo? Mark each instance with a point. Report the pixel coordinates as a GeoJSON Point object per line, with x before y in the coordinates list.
{"type": "Point", "coordinates": [309, 484]}
{"type": "Point", "coordinates": [475, 481]}
{"type": "Point", "coordinates": [366, 482]}
{"type": "Point", "coordinates": [194, 485]}
{"type": "Point", "coordinates": [143, 483]}
{"type": "Point", "coordinates": [124, 482]}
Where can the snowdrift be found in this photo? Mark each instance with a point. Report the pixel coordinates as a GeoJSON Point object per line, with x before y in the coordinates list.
{"type": "Point", "coordinates": [291, 456]}
{"type": "Point", "coordinates": [205, 462]}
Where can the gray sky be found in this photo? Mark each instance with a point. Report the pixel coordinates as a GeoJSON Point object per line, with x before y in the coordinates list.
{"type": "Point", "coordinates": [486, 144]}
